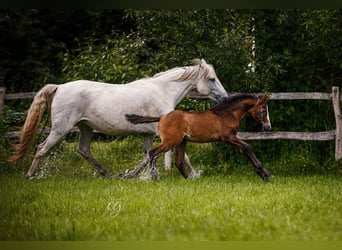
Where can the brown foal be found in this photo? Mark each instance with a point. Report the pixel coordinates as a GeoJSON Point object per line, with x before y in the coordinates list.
{"type": "Point", "coordinates": [219, 123]}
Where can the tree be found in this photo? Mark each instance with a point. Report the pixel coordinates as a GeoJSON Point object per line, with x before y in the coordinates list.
{"type": "Point", "coordinates": [219, 36]}
{"type": "Point", "coordinates": [31, 42]}
{"type": "Point", "coordinates": [298, 50]}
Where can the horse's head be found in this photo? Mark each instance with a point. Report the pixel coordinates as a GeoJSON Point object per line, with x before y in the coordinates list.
{"type": "Point", "coordinates": [259, 111]}
{"type": "Point", "coordinates": [207, 83]}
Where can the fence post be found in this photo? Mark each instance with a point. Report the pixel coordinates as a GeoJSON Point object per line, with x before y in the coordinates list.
{"type": "Point", "coordinates": [338, 118]}
{"type": "Point", "coordinates": [2, 98]}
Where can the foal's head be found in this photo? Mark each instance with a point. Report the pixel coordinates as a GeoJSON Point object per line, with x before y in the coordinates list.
{"type": "Point", "coordinates": [259, 111]}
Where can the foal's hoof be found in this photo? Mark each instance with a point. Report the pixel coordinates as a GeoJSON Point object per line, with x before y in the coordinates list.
{"type": "Point", "coordinates": [195, 174]}
{"type": "Point", "coordinates": [154, 174]}
{"type": "Point", "coordinates": [154, 177]}
{"type": "Point", "coordinates": [29, 177]}
{"type": "Point", "coordinates": [126, 175]}
{"type": "Point", "coordinates": [266, 176]}
{"type": "Point", "coordinates": [107, 175]}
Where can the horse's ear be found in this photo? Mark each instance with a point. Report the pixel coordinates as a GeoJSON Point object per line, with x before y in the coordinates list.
{"type": "Point", "coordinates": [203, 61]}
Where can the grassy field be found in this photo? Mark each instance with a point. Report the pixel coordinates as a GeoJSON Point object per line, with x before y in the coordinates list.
{"type": "Point", "coordinates": [68, 202]}
{"type": "Point", "coordinates": [210, 208]}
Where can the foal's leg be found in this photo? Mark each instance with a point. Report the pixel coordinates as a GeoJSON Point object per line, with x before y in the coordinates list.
{"type": "Point", "coordinates": [181, 159]}
{"type": "Point", "coordinates": [86, 134]}
{"type": "Point", "coordinates": [148, 140]}
{"type": "Point", "coordinates": [247, 150]}
{"type": "Point", "coordinates": [180, 154]}
{"type": "Point", "coordinates": [53, 138]}
{"type": "Point", "coordinates": [193, 173]}
{"type": "Point", "coordinates": [154, 155]}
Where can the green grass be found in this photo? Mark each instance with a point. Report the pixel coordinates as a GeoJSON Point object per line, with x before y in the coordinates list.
{"type": "Point", "coordinates": [210, 208]}
{"type": "Point", "coordinates": [69, 202]}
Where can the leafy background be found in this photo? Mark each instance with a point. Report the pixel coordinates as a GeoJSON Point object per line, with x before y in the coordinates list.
{"type": "Point", "coordinates": [252, 51]}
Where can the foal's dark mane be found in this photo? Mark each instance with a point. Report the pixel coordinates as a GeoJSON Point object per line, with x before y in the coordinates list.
{"type": "Point", "coordinates": [228, 103]}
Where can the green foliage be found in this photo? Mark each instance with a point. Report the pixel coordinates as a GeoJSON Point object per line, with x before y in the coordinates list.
{"type": "Point", "coordinates": [298, 50]}
{"type": "Point", "coordinates": [113, 61]}
{"type": "Point", "coordinates": [217, 35]}
{"type": "Point", "coordinates": [251, 50]}
{"type": "Point", "coordinates": [32, 40]}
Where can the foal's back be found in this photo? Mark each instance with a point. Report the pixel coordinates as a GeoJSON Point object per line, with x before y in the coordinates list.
{"type": "Point", "coordinates": [195, 126]}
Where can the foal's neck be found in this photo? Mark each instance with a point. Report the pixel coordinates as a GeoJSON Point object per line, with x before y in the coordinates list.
{"type": "Point", "coordinates": [242, 108]}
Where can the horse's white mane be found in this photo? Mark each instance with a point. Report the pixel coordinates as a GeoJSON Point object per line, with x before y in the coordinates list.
{"type": "Point", "coordinates": [166, 72]}
{"type": "Point", "coordinates": [191, 72]}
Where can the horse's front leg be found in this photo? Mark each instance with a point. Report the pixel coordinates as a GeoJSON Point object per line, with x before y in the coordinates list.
{"type": "Point", "coordinates": [247, 150]}
{"type": "Point", "coordinates": [148, 140]}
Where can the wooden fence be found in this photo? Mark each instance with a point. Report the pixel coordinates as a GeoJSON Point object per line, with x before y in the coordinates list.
{"type": "Point", "coordinates": [335, 134]}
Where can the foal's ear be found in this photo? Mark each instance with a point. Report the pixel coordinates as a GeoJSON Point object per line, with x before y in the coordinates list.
{"type": "Point", "coordinates": [263, 98]}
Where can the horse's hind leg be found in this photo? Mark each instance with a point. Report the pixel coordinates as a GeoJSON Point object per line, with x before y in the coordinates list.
{"type": "Point", "coordinates": [42, 149]}
{"type": "Point", "coordinates": [86, 134]}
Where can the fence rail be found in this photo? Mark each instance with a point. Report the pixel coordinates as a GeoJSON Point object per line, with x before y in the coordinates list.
{"type": "Point", "coordinates": [334, 97]}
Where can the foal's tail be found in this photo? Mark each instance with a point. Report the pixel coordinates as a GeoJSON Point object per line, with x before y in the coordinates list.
{"type": "Point", "coordinates": [33, 119]}
{"type": "Point", "coordinates": [135, 119]}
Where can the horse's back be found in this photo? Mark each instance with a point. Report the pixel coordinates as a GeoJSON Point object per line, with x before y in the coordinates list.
{"type": "Point", "coordinates": [101, 106]}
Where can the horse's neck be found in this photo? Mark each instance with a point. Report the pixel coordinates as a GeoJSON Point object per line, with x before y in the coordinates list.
{"type": "Point", "coordinates": [181, 89]}
{"type": "Point", "coordinates": [175, 90]}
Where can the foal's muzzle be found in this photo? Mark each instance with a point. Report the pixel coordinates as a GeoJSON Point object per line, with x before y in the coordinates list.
{"type": "Point", "coordinates": [266, 126]}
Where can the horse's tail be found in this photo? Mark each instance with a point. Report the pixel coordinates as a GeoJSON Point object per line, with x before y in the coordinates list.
{"type": "Point", "coordinates": [33, 119]}
{"type": "Point", "coordinates": [135, 119]}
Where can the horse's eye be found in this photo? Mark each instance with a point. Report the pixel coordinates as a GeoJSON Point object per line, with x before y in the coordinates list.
{"type": "Point", "coordinates": [212, 79]}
